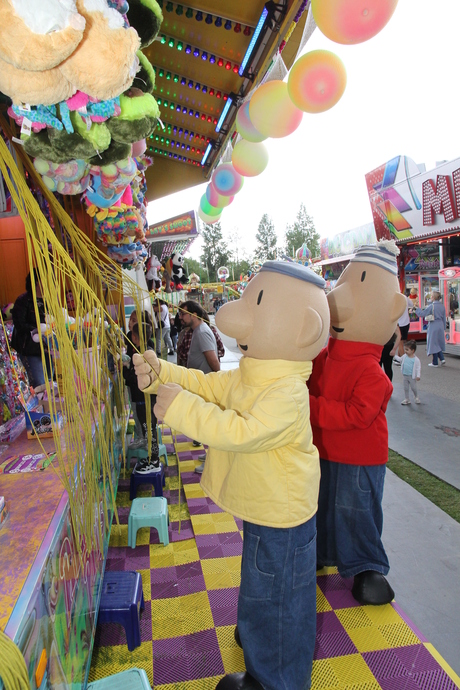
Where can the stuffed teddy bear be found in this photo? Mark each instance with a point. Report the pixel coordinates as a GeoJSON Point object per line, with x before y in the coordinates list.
{"type": "Point", "coordinates": [255, 420]}
{"type": "Point", "coordinates": [153, 265]}
{"type": "Point", "coordinates": [146, 17]}
{"type": "Point", "coordinates": [98, 58]}
{"type": "Point", "coordinates": [38, 35]}
{"type": "Point", "coordinates": [174, 268]}
{"type": "Point", "coordinates": [349, 393]}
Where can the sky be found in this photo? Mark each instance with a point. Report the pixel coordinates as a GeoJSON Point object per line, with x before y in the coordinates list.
{"type": "Point", "coordinates": [402, 98]}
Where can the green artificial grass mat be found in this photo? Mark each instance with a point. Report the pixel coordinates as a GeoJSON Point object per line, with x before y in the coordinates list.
{"type": "Point", "coordinates": [439, 492]}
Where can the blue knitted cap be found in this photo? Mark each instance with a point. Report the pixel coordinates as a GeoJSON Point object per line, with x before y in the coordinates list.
{"type": "Point", "coordinates": [293, 270]}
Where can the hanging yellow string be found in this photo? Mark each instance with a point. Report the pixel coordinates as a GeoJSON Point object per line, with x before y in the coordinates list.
{"type": "Point", "coordinates": [13, 669]}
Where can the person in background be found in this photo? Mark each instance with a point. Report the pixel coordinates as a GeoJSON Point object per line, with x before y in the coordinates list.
{"type": "Point", "coordinates": [139, 440]}
{"type": "Point", "coordinates": [161, 312]}
{"type": "Point", "coordinates": [202, 352]}
{"type": "Point", "coordinates": [152, 462]}
{"type": "Point", "coordinates": [404, 325]}
{"type": "Point", "coordinates": [435, 315]}
{"type": "Point", "coordinates": [389, 351]}
{"type": "Point", "coordinates": [25, 328]}
{"type": "Point", "coordinates": [185, 338]}
{"type": "Point", "coordinates": [410, 369]}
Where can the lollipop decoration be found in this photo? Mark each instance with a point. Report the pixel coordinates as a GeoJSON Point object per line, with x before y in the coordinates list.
{"type": "Point", "coordinates": [317, 81]}
{"type": "Point", "coordinates": [303, 255]}
{"type": "Point", "coordinates": [223, 273]}
{"type": "Point", "coordinates": [226, 180]}
{"type": "Point", "coordinates": [217, 200]}
{"type": "Point", "coordinates": [352, 21]}
{"type": "Point", "coordinates": [208, 208]}
{"type": "Point", "coordinates": [249, 159]}
{"type": "Point", "coordinates": [272, 112]}
{"type": "Point", "coordinates": [244, 126]}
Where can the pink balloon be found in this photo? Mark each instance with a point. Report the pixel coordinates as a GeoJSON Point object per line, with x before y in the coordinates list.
{"type": "Point", "coordinates": [215, 199]}
{"type": "Point", "coordinates": [352, 21]}
{"type": "Point", "coordinates": [272, 112]}
{"type": "Point", "coordinates": [139, 147]}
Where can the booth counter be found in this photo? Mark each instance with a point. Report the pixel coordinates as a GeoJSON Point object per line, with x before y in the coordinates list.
{"type": "Point", "coordinates": [49, 594]}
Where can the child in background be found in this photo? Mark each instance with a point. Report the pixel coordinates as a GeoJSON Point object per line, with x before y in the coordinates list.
{"type": "Point", "coordinates": [152, 462]}
{"type": "Point", "coordinates": [410, 368]}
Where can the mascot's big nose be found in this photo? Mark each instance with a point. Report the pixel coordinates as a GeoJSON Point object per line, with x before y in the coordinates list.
{"type": "Point", "coordinates": [340, 302]}
{"type": "Point", "coordinates": [235, 320]}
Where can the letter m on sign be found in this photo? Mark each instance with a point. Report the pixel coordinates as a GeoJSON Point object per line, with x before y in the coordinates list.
{"type": "Point", "coordinates": [438, 200]}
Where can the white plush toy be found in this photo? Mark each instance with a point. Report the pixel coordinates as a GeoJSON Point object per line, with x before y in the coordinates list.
{"type": "Point", "coordinates": [46, 16]}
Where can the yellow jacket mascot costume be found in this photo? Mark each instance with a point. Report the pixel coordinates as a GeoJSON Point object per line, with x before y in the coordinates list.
{"type": "Point", "coordinates": [349, 395]}
{"type": "Point", "coordinates": [261, 464]}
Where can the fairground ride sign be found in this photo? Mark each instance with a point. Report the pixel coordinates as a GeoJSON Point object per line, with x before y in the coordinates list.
{"type": "Point", "coordinates": [177, 228]}
{"type": "Point", "coordinates": [409, 203]}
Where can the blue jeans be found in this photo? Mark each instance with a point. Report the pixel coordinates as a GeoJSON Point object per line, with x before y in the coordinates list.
{"type": "Point", "coordinates": [350, 518]}
{"type": "Point", "coordinates": [436, 355]}
{"type": "Point", "coordinates": [34, 367]}
{"type": "Point", "coordinates": [277, 604]}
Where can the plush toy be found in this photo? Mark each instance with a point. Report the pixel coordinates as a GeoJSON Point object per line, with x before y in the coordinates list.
{"type": "Point", "coordinates": [255, 420]}
{"type": "Point", "coordinates": [145, 77]}
{"type": "Point", "coordinates": [138, 117]}
{"type": "Point", "coordinates": [146, 17]}
{"type": "Point", "coordinates": [153, 265]}
{"type": "Point", "coordinates": [174, 268]}
{"type": "Point", "coordinates": [105, 62]}
{"type": "Point", "coordinates": [66, 178]}
{"type": "Point", "coordinates": [349, 393]}
{"type": "Point", "coordinates": [38, 35]}
{"type": "Point", "coordinates": [413, 296]}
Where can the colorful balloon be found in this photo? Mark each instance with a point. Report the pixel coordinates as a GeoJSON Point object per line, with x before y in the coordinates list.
{"type": "Point", "coordinates": [352, 21]}
{"type": "Point", "coordinates": [215, 199]}
{"type": "Point", "coordinates": [245, 127]}
{"type": "Point", "coordinates": [208, 208]}
{"type": "Point", "coordinates": [207, 219]}
{"type": "Point", "coordinates": [226, 180]}
{"type": "Point", "coordinates": [317, 81]}
{"type": "Point", "coordinates": [272, 112]}
{"type": "Point", "coordinates": [249, 159]}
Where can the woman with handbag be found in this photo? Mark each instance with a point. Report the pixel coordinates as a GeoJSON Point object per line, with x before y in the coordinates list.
{"type": "Point", "coordinates": [435, 315]}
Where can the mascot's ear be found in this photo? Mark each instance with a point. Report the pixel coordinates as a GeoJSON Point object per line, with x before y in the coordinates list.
{"type": "Point", "coordinates": [310, 329]}
{"type": "Point", "coordinates": [399, 306]}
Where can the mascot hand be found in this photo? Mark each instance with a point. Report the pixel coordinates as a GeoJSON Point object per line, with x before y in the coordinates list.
{"type": "Point", "coordinates": [167, 392]}
{"type": "Point", "coordinates": [147, 367]}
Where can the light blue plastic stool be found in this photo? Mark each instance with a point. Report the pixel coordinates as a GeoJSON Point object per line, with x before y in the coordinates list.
{"type": "Point", "coordinates": [134, 679]}
{"type": "Point", "coordinates": [162, 452]}
{"type": "Point", "coordinates": [148, 512]}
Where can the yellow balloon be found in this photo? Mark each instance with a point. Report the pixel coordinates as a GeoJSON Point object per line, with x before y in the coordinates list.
{"type": "Point", "coordinates": [249, 159]}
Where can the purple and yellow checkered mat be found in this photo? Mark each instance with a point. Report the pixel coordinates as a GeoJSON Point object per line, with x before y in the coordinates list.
{"type": "Point", "coordinates": [191, 593]}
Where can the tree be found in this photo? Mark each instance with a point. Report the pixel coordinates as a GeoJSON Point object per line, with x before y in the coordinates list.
{"type": "Point", "coordinates": [215, 251]}
{"type": "Point", "coordinates": [302, 231]}
{"type": "Point", "coordinates": [266, 239]}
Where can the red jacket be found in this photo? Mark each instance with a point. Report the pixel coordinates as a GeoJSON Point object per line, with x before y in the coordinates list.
{"type": "Point", "coordinates": [349, 393]}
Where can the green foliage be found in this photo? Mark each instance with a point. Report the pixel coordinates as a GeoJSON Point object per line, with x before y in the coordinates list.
{"type": "Point", "coordinates": [439, 492]}
{"type": "Point", "coordinates": [215, 250]}
{"type": "Point", "coordinates": [302, 231]}
{"type": "Point", "coordinates": [266, 239]}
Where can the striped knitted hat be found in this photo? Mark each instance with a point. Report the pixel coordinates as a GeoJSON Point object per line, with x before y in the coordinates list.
{"type": "Point", "coordinates": [382, 254]}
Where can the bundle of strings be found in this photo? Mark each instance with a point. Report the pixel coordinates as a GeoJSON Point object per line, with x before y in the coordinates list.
{"type": "Point", "coordinates": [13, 669]}
{"type": "Point", "coordinates": [87, 443]}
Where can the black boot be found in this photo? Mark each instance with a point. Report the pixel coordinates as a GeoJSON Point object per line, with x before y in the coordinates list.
{"type": "Point", "coordinates": [372, 588]}
{"type": "Point", "coordinates": [237, 637]}
{"type": "Point", "coordinates": [238, 681]}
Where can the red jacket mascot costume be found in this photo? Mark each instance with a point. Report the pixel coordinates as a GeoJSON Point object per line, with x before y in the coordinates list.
{"type": "Point", "coordinates": [349, 393]}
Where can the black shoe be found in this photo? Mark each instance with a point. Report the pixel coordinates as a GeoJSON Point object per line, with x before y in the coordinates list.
{"type": "Point", "coordinates": [238, 681]}
{"type": "Point", "coordinates": [147, 467]}
{"type": "Point", "coordinates": [170, 352]}
{"type": "Point", "coordinates": [372, 588]}
{"type": "Point", "coordinates": [197, 444]}
{"type": "Point", "coordinates": [237, 637]}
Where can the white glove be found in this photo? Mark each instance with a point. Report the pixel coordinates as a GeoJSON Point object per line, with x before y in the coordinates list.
{"type": "Point", "coordinates": [147, 367]}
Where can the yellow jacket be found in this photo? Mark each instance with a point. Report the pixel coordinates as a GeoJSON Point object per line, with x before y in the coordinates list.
{"type": "Point", "coordinates": [261, 464]}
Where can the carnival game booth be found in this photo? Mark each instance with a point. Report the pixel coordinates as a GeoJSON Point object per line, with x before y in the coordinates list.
{"type": "Point", "coordinates": [420, 209]}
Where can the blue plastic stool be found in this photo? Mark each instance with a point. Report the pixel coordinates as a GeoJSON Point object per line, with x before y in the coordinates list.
{"type": "Point", "coordinates": [148, 512]}
{"type": "Point", "coordinates": [162, 452]}
{"type": "Point", "coordinates": [134, 679]}
{"type": "Point", "coordinates": [157, 479]}
{"type": "Point", "coordinates": [136, 453]}
{"type": "Point", "coordinates": [121, 599]}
